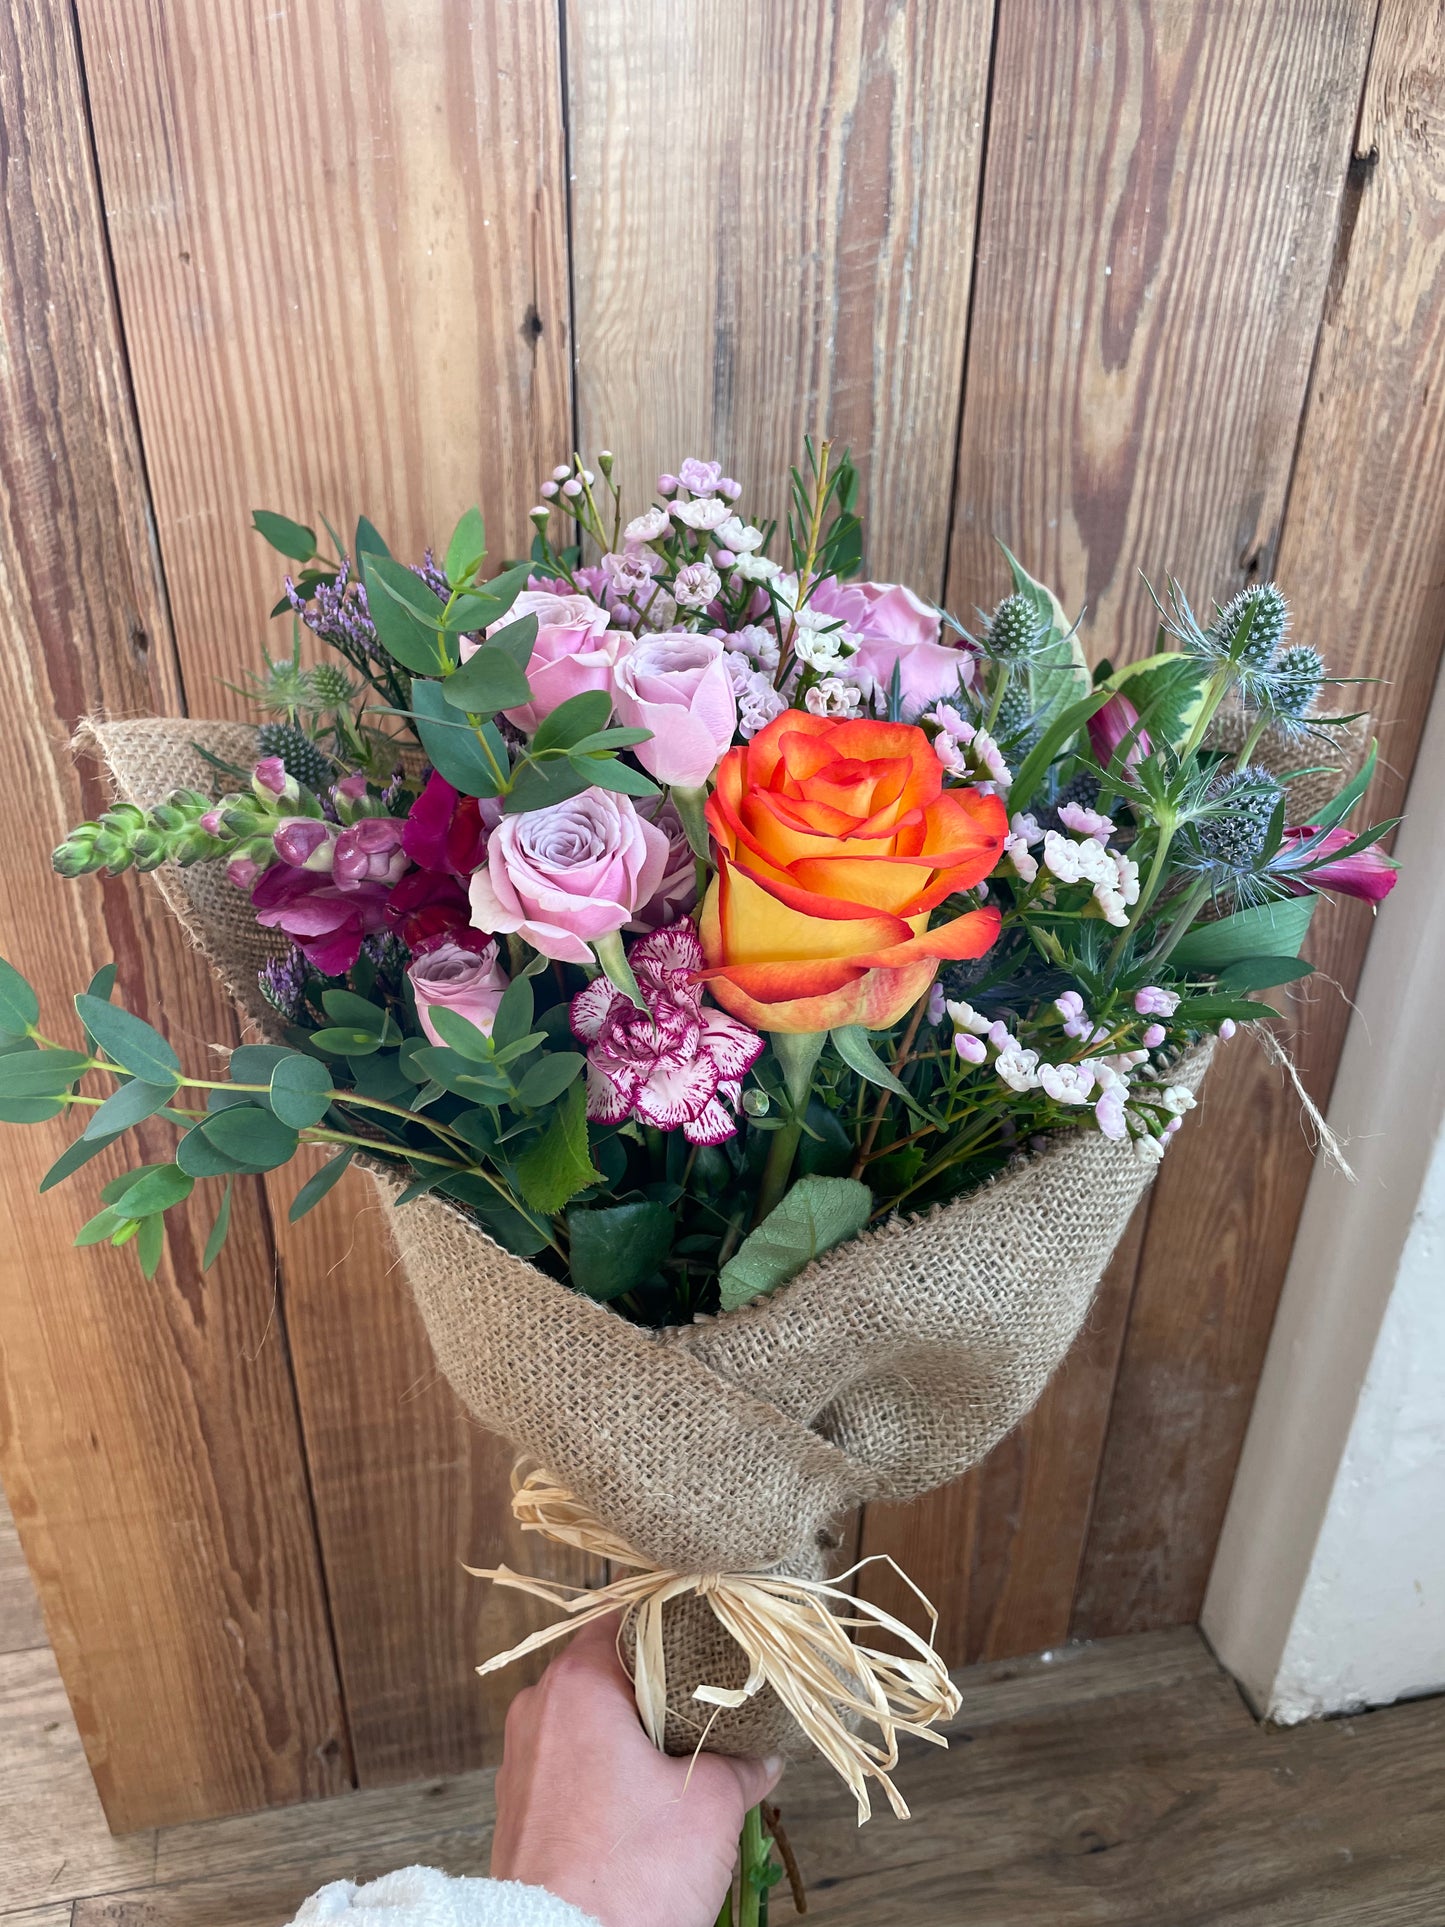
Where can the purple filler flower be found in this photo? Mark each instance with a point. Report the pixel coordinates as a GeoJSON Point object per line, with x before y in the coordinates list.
{"type": "Point", "coordinates": [679, 1068]}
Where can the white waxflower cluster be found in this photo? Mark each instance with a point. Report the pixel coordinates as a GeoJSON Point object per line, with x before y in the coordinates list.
{"type": "Point", "coordinates": [1113, 876]}
{"type": "Point", "coordinates": [758, 701]}
{"type": "Point", "coordinates": [834, 697]}
{"type": "Point", "coordinates": [1109, 1082]}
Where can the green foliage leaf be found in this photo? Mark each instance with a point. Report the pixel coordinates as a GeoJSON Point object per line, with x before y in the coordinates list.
{"type": "Point", "coordinates": [451, 745]}
{"type": "Point", "coordinates": [408, 617]}
{"type": "Point", "coordinates": [291, 539]}
{"type": "Point", "coordinates": [1262, 973]}
{"type": "Point", "coordinates": [126, 1107]}
{"type": "Point", "coordinates": [103, 1225]}
{"type": "Point", "coordinates": [815, 1215]}
{"type": "Point", "coordinates": [462, 1035]}
{"type": "Point", "coordinates": [559, 1164]}
{"type": "Point", "coordinates": [1265, 930]}
{"type": "Point", "coordinates": [156, 1188]}
{"type": "Point", "coordinates": [617, 1248]}
{"type": "Point", "coordinates": [549, 1077]}
{"type": "Point", "coordinates": [477, 1082]}
{"type": "Point", "coordinates": [516, 640]}
{"type": "Point", "coordinates": [514, 1013]}
{"type": "Point", "coordinates": [318, 1184]}
{"type": "Point", "coordinates": [1061, 731]}
{"type": "Point", "coordinates": [251, 1136]}
{"type": "Point", "coordinates": [130, 1040]}
{"type": "Point", "coordinates": [196, 1153]}
{"type": "Point", "coordinates": [491, 602]}
{"type": "Point", "coordinates": [537, 786]}
{"type": "Point", "coordinates": [1338, 809]}
{"type": "Point", "coordinates": [852, 1045]}
{"type": "Point", "coordinates": [346, 1008]}
{"type": "Point", "coordinates": [368, 540]}
{"type": "Point", "coordinates": [570, 721]}
{"type": "Point", "coordinates": [71, 1160]}
{"type": "Point", "coordinates": [300, 1090]}
{"type": "Point", "coordinates": [19, 1006]}
{"type": "Point", "coordinates": [608, 773]}
{"type": "Point", "coordinates": [346, 1040]}
{"type": "Point", "coordinates": [487, 681]}
{"type": "Point", "coordinates": [1058, 674]}
{"type": "Point", "coordinates": [150, 1244]}
{"type": "Point", "coordinates": [1167, 696]}
{"type": "Point", "coordinates": [466, 549]}
{"type": "Point", "coordinates": [219, 1229]}
{"type": "Point", "coordinates": [256, 1063]}
{"type": "Point", "coordinates": [826, 1149]}
{"type": "Point", "coordinates": [30, 1110]}
{"type": "Point", "coordinates": [40, 1073]}
{"type": "Point", "coordinates": [1207, 1013]}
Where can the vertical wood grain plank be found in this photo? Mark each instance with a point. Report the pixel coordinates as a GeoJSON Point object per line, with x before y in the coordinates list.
{"type": "Point", "coordinates": [1161, 192]}
{"type": "Point", "coordinates": [147, 1430]}
{"type": "Point", "coordinates": [1363, 557]}
{"type": "Point", "coordinates": [772, 217]}
{"type": "Point", "coordinates": [339, 238]}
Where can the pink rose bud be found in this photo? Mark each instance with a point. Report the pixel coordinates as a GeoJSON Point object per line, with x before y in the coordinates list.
{"type": "Point", "coordinates": [667, 485]}
{"type": "Point", "coordinates": [574, 651]}
{"type": "Point", "coordinates": [571, 873]}
{"type": "Point", "coordinates": [450, 976]}
{"type": "Point", "coordinates": [305, 843]}
{"type": "Point", "coordinates": [269, 779]}
{"type": "Point", "coordinates": [677, 685]}
{"type": "Point", "coordinates": [370, 851]}
{"type": "Point", "coordinates": [1153, 1037]}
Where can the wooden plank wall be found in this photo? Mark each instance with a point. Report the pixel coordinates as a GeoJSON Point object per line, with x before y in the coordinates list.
{"type": "Point", "coordinates": [1131, 286]}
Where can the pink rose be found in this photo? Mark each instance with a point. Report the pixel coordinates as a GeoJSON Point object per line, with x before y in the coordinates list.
{"type": "Point", "coordinates": [573, 651]}
{"type": "Point", "coordinates": [677, 685]}
{"type": "Point", "coordinates": [451, 977]}
{"type": "Point", "coordinates": [676, 893]}
{"type": "Point", "coordinates": [895, 630]}
{"type": "Point", "coordinates": [563, 876]}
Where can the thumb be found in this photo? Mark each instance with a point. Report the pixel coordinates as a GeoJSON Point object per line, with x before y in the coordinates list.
{"type": "Point", "coordinates": [756, 1778]}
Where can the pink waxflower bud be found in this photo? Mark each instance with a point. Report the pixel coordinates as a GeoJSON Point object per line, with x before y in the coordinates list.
{"type": "Point", "coordinates": [561, 472]}
{"type": "Point", "coordinates": [970, 1049]}
{"type": "Point", "coordinates": [667, 485]}
{"type": "Point", "coordinates": [305, 843]}
{"type": "Point", "coordinates": [1153, 1037]}
{"type": "Point", "coordinates": [1112, 726]}
{"type": "Point", "coordinates": [549, 489]}
{"type": "Point", "coordinates": [269, 780]}
{"type": "Point", "coordinates": [1154, 1001]}
{"type": "Point", "coordinates": [370, 851]}
{"type": "Point", "coordinates": [724, 558]}
{"type": "Point", "coordinates": [727, 486]}
{"type": "Point", "coordinates": [1227, 1030]}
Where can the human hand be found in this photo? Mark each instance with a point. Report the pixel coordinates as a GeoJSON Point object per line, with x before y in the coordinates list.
{"type": "Point", "coordinates": [589, 1809]}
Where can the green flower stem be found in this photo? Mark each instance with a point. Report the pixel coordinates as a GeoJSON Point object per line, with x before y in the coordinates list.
{"type": "Point", "coordinates": [690, 806]}
{"type": "Point", "coordinates": [1251, 741]}
{"type": "Point", "coordinates": [1214, 695]}
{"type": "Point", "coordinates": [998, 695]}
{"type": "Point", "coordinates": [797, 1053]}
{"type": "Point", "coordinates": [1193, 904]}
{"type": "Point", "coordinates": [754, 1854]}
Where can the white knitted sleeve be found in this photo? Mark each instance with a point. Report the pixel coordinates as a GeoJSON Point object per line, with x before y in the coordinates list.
{"type": "Point", "coordinates": [424, 1897]}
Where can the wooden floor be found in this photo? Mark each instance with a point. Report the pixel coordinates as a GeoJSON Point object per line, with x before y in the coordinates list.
{"type": "Point", "coordinates": [1122, 1784]}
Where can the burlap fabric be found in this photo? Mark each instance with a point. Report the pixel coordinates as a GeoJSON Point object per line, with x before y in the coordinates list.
{"type": "Point", "coordinates": [891, 1365]}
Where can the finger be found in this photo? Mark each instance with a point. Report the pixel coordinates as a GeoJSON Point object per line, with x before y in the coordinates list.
{"type": "Point", "coordinates": [596, 1644]}
{"type": "Point", "coordinates": [756, 1778]}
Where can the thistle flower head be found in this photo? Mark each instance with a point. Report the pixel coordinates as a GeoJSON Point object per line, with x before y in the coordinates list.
{"type": "Point", "coordinates": [330, 687]}
{"type": "Point", "coordinates": [299, 756]}
{"type": "Point", "coordinates": [1231, 829]}
{"type": "Point", "coordinates": [1250, 628]}
{"type": "Point", "coordinates": [1015, 630]}
{"type": "Point", "coordinates": [1295, 682]}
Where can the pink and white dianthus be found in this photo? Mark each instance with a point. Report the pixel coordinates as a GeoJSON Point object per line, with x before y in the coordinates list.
{"type": "Point", "coordinates": [680, 1067]}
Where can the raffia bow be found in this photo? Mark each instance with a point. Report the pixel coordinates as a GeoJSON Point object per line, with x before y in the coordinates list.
{"type": "Point", "coordinates": [793, 1641]}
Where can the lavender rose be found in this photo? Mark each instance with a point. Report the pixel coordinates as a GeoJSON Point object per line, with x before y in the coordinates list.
{"type": "Point", "coordinates": [565, 876]}
{"type": "Point", "coordinates": [450, 976]}
{"type": "Point", "coordinates": [895, 629]}
{"type": "Point", "coordinates": [573, 651]}
{"type": "Point", "coordinates": [677, 686]}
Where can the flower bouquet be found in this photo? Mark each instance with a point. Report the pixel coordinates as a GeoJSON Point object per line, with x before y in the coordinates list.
{"type": "Point", "coordinates": [764, 999]}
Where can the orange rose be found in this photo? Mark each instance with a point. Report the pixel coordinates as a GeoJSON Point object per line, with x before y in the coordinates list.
{"type": "Point", "coordinates": [835, 840]}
